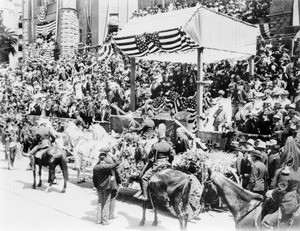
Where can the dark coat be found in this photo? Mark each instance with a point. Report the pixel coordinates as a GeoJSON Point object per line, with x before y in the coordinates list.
{"type": "Point", "coordinates": [102, 174]}
{"type": "Point", "coordinates": [258, 177]}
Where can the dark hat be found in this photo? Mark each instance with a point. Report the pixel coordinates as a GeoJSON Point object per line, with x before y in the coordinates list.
{"type": "Point", "coordinates": [277, 105]}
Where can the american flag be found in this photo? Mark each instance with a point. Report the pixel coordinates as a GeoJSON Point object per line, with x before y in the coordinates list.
{"type": "Point", "coordinates": [169, 40]}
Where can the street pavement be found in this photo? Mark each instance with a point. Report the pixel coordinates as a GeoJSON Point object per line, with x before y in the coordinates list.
{"type": "Point", "coordinates": [22, 208]}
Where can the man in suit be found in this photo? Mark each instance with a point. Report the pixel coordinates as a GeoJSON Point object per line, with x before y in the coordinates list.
{"type": "Point", "coordinates": [105, 183]}
{"type": "Point", "coordinates": [220, 118]}
{"type": "Point", "coordinates": [259, 173]}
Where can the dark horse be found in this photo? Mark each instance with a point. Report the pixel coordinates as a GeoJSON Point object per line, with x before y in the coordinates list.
{"type": "Point", "coordinates": [245, 206]}
{"type": "Point", "coordinates": [170, 185]}
{"type": "Point", "coordinates": [175, 187]}
{"type": "Point", "coordinates": [52, 157]}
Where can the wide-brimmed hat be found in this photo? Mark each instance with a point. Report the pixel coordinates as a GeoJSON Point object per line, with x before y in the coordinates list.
{"type": "Point", "coordinates": [250, 141]}
{"type": "Point", "coordinates": [256, 153]}
{"type": "Point", "coordinates": [261, 145]}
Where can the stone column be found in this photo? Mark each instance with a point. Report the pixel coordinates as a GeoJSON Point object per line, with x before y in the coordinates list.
{"type": "Point", "coordinates": [68, 31]}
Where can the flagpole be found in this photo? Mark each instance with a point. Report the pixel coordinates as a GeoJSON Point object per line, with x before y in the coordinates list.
{"type": "Point", "coordinates": [56, 23]}
{"type": "Point", "coordinates": [199, 89]}
{"type": "Point", "coordinates": [32, 27]}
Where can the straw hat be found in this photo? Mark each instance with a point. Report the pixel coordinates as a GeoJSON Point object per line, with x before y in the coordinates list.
{"type": "Point", "coordinates": [250, 142]}
{"type": "Point", "coordinates": [261, 145]}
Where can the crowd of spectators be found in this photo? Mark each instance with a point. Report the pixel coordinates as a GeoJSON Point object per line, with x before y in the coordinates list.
{"type": "Point", "coordinates": [254, 11]}
{"type": "Point", "coordinates": [84, 88]}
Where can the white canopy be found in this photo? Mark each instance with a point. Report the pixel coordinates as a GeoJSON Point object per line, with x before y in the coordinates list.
{"type": "Point", "coordinates": [180, 32]}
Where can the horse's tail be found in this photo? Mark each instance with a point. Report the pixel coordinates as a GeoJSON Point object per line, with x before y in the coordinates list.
{"type": "Point", "coordinates": [64, 165]}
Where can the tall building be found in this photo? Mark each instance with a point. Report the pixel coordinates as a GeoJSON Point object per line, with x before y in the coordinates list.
{"type": "Point", "coordinates": [10, 14]}
{"type": "Point", "coordinates": [72, 23]}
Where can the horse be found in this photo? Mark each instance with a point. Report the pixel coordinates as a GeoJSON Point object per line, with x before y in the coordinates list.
{"type": "Point", "coordinates": [174, 186]}
{"type": "Point", "coordinates": [52, 157]}
{"type": "Point", "coordinates": [245, 206]}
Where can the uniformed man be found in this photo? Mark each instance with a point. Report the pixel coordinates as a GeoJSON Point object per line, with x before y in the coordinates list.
{"type": "Point", "coordinates": [147, 127]}
{"type": "Point", "coordinates": [44, 137]}
{"type": "Point", "coordinates": [161, 154]}
{"type": "Point", "coordinates": [284, 193]}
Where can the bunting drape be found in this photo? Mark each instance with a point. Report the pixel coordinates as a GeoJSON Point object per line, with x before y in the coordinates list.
{"type": "Point", "coordinates": [46, 28]}
{"type": "Point", "coordinates": [159, 36]}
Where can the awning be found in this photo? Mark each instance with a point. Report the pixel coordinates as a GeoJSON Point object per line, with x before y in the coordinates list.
{"type": "Point", "coordinates": [177, 32]}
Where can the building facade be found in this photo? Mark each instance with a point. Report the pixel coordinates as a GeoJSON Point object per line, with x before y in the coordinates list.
{"type": "Point", "coordinates": [77, 23]}
{"type": "Point", "coordinates": [11, 13]}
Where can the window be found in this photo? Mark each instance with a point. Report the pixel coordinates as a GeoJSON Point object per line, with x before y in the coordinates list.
{"type": "Point", "coordinates": [80, 35]}
{"type": "Point", "coordinates": [20, 36]}
{"type": "Point", "coordinates": [20, 22]}
{"type": "Point", "coordinates": [20, 47]}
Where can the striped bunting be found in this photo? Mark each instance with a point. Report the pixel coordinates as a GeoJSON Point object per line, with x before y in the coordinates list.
{"type": "Point", "coordinates": [264, 30]}
{"type": "Point", "coordinates": [42, 13]}
{"type": "Point", "coordinates": [147, 43]}
{"type": "Point", "coordinates": [46, 29]}
{"type": "Point", "coordinates": [105, 52]}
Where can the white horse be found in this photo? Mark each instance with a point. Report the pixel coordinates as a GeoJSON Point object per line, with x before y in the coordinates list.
{"type": "Point", "coordinates": [86, 145]}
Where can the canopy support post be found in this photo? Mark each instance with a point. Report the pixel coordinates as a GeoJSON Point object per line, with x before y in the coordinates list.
{"type": "Point", "coordinates": [199, 89]}
{"type": "Point", "coordinates": [132, 84]}
{"type": "Point", "coordinates": [251, 66]}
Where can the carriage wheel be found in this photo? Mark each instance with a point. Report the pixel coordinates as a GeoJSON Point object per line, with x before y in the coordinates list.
{"type": "Point", "coordinates": [194, 206]}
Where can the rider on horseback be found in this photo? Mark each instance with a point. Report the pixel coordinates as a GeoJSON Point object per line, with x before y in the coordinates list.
{"type": "Point", "coordinates": [286, 185]}
{"type": "Point", "coordinates": [44, 137]}
{"type": "Point", "coordinates": [161, 155]}
{"type": "Point", "coordinates": [147, 127]}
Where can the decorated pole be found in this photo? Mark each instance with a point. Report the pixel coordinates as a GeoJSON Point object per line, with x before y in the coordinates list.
{"type": "Point", "coordinates": [132, 85]}
{"type": "Point", "coordinates": [32, 23]}
{"type": "Point", "coordinates": [199, 88]}
{"type": "Point", "coordinates": [251, 66]}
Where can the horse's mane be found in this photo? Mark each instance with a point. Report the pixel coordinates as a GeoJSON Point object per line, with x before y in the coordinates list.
{"type": "Point", "coordinates": [243, 193]}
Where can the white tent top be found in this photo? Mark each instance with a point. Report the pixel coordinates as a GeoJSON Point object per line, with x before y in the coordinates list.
{"type": "Point", "coordinates": [158, 36]}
